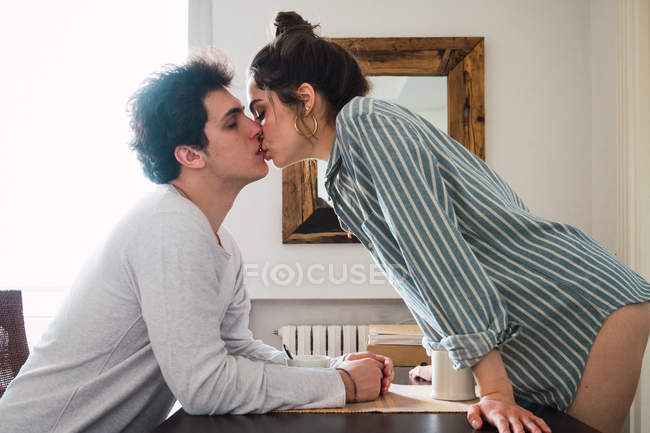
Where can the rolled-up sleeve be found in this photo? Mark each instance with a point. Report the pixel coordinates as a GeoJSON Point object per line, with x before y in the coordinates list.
{"type": "Point", "coordinates": [415, 236]}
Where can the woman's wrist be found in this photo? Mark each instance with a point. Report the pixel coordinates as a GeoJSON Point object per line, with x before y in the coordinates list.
{"type": "Point", "coordinates": [491, 377]}
{"type": "Point", "coordinates": [502, 392]}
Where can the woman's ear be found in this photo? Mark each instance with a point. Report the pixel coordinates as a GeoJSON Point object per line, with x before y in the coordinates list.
{"type": "Point", "coordinates": [307, 95]}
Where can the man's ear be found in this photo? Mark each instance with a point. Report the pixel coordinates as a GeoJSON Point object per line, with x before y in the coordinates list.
{"type": "Point", "coordinates": [307, 95]}
{"type": "Point", "coordinates": [189, 157]}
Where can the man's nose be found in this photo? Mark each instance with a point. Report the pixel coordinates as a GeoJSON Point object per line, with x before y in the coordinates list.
{"type": "Point", "coordinates": [256, 130]}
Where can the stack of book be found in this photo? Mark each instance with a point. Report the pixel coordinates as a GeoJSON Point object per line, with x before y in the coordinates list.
{"type": "Point", "coordinates": [402, 343]}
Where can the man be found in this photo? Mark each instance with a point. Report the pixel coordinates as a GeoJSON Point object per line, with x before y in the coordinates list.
{"type": "Point", "coordinates": [160, 312]}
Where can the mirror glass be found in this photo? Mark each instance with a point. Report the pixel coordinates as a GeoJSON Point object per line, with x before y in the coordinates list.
{"type": "Point", "coordinates": [426, 96]}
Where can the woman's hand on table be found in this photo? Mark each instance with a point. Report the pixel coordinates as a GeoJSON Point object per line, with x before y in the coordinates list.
{"type": "Point", "coordinates": [421, 372]}
{"type": "Point", "coordinates": [497, 405]}
{"type": "Point", "coordinates": [501, 411]}
{"type": "Point", "coordinates": [387, 366]}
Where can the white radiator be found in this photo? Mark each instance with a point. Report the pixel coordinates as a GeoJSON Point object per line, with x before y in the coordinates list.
{"type": "Point", "coordinates": [330, 340]}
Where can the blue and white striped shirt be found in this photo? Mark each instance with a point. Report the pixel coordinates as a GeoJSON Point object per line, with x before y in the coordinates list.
{"type": "Point", "coordinates": [477, 270]}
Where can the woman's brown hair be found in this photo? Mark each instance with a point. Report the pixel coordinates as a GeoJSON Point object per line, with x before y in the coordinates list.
{"type": "Point", "coordinates": [297, 55]}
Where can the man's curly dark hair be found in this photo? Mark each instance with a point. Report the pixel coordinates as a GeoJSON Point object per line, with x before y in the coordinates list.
{"type": "Point", "coordinates": [168, 111]}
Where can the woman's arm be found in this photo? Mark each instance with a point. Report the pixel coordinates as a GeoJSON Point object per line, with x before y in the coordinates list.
{"type": "Point", "coordinates": [497, 404]}
{"type": "Point", "coordinates": [491, 376]}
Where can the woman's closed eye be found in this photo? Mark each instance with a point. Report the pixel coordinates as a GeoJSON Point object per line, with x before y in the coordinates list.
{"type": "Point", "coordinates": [259, 115]}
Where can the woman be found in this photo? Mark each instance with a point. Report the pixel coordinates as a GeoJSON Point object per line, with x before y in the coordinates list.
{"type": "Point", "coordinates": [538, 310]}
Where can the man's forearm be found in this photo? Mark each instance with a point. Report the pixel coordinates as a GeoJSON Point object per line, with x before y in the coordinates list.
{"type": "Point", "coordinates": [491, 376]}
{"type": "Point", "coordinates": [255, 350]}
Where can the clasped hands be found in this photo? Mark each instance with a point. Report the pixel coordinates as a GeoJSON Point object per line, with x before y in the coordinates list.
{"type": "Point", "coordinates": [372, 375]}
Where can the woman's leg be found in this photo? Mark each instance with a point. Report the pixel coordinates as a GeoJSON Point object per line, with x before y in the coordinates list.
{"type": "Point", "coordinates": [611, 375]}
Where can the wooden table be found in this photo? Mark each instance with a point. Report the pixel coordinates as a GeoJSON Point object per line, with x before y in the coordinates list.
{"type": "Point", "coordinates": [181, 422]}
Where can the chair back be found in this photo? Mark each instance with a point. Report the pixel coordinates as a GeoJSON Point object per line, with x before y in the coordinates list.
{"type": "Point", "coordinates": [13, 340]}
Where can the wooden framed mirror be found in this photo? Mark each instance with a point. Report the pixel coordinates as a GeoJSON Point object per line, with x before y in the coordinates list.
{"type": "Point", "coordinates": [307, 218]}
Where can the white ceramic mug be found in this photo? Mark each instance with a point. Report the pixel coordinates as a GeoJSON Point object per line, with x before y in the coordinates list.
{"type": "Point", "coordinates": [309, 361]}
{"type": "Point", "coordinates": [447, 383]}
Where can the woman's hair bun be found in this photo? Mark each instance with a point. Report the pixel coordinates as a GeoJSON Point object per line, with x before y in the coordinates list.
{"type": "Point", "coordinates": [286, 22]}
{"type": "Point", "coordinates": [296, 56]}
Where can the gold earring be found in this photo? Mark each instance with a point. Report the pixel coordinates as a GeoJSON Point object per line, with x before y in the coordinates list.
{"type": "Point", "coordinates": [313, 133]}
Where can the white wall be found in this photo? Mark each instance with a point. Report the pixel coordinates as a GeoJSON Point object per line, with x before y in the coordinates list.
{"type": "Point", "coordinates": [640, 420]}
{"type": "Point", "coordinates": [539, 116]}
{"type": "Point", "coordinates": [64, 130]}
{"type": "Point", "coordinates": [603, 111]}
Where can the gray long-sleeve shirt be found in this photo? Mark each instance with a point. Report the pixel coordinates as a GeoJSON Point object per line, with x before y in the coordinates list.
{"type": "Point", "coordinates": [159, 313]}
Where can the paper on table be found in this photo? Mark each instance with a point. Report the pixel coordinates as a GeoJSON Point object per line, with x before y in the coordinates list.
{"type": "Point", "coordinates": [400, 340]}
{"type": "Point", "coordinates": [395, 334]}
{"type": "Point", "coordinates": [395, 330]}
{"type": "Point", "coordinates": [400, 398]}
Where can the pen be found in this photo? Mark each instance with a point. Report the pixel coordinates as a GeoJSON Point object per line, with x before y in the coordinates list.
{"type": "Point", "coordinates": [286, 349]}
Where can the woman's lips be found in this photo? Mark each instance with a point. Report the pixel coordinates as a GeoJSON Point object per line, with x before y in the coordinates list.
{"type": "Point", "coordinates": [262, 152]}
